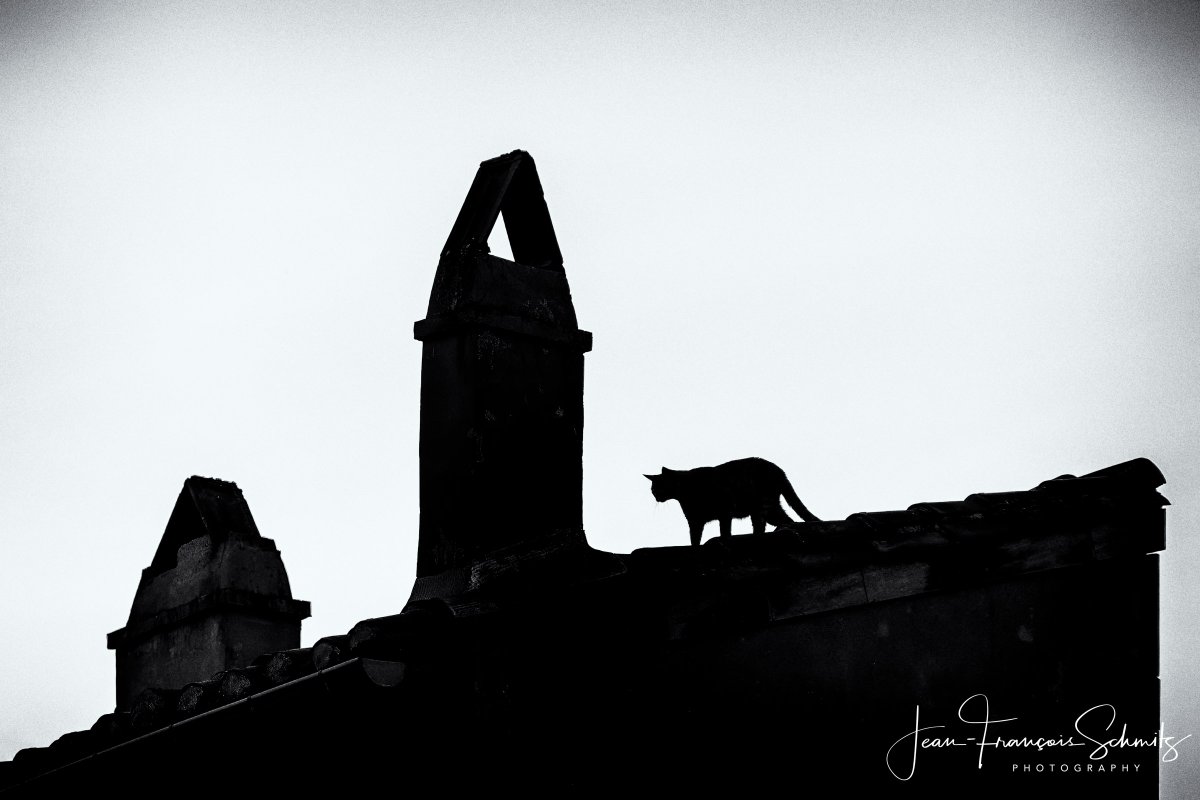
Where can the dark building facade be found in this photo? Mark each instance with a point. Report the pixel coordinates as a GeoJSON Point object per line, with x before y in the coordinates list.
{"type": "Point", "coordinates": [945, 650]}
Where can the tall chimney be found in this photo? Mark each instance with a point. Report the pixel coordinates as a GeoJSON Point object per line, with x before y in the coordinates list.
{"type": "Point", "coordinates": [501, 385]}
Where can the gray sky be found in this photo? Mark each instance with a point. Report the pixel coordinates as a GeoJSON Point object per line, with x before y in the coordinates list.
{"type": "Point", "coordinates": [908, 252]}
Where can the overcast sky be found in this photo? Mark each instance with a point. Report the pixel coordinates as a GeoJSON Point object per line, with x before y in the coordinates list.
{"type": "Point", "coordinates": [908, 252]}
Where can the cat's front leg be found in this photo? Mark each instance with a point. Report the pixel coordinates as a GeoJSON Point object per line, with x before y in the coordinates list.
{"type": "Point", "coordinates": [696, 528]}
{"type": "Point", "coordinates": [726, 527]}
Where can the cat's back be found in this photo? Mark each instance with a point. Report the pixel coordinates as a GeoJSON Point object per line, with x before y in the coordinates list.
{"type": "Point", "coordinates": [746, 480]}
{"type": "Point", "coordinates": [753, 468]}
{"type": "Point", "coordinates": [732, 481]}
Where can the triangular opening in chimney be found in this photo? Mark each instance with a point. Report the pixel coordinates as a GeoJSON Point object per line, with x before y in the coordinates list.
{"type": "Point", "coordinates": [498, 242]}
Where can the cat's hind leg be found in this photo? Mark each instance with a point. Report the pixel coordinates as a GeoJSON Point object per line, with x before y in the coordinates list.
{"type": "Point", "coordinates": [759, 523]}
{"type": "Point", "coordinates": [726, 527]}
{"type": "Point", "coordinates": [775, 515]}
{"type": "Point", "coordinates": [696, 529]}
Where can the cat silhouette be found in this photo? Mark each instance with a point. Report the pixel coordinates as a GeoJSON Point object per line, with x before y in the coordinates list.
{"type": "Point", "coordinates": [748, 487]}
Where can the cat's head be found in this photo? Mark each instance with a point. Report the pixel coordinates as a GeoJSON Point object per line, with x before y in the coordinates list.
{"type": "Point", "coordinates": [663, 486]}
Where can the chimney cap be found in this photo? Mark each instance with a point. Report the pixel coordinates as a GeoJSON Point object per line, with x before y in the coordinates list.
{"type": "Point", "coordinates": [508, 185]}
{"type": "Point", "coordinates": [205, 507]}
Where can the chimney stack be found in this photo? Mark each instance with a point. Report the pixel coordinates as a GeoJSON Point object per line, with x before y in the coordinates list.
{"type": "Point", "coordinates": [215, 597]}
{"type": "Point", "coordinates": [501, 385]}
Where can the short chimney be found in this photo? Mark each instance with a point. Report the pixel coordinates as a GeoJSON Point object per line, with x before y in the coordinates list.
{"type": "Point", "coordinates": [501, 385]}
{"type": "Point", "coordinates": [215, 596]}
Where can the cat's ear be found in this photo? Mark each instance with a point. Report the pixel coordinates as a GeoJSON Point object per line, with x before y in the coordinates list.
{"type": "Point", "coordinates": [665, 470]}
{"type": "Point", "coordinates": [650, 477]}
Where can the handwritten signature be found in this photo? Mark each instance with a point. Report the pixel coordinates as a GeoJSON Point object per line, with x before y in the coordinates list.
{"type": "Point", "coordinates": [976, 711]}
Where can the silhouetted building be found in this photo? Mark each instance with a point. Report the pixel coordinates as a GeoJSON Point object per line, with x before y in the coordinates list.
{"type": "Point", "coordinates": [791, 661]}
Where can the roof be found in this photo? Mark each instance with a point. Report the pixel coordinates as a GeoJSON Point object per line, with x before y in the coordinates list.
{"type": "Point", "coordinates": [728, 585]}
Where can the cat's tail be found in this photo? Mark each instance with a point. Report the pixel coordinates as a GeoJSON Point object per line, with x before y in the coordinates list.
{"type": "Point", "coordinates": [789, 494]}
